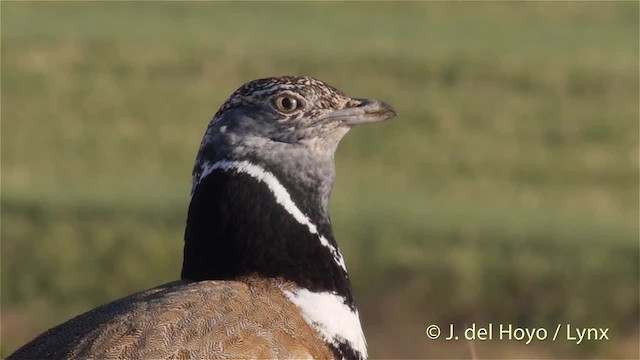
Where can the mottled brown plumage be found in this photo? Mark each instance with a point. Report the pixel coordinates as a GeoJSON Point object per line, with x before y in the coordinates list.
{"type": "Point", "coordinates": [250, 318]}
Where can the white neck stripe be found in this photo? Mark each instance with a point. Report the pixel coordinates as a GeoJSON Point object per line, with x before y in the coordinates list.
{"type": "Point", "coordinates": [281, 194]}
{"type": "Point", "coordinates": [334, 320]}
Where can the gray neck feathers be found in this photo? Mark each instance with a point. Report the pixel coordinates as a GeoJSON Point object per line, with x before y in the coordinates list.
{"type": "Point", "coordinates": [305, 169]}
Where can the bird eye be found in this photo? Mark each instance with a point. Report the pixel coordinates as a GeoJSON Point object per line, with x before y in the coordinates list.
{"type": "Point", "coordinates": [286, 104]}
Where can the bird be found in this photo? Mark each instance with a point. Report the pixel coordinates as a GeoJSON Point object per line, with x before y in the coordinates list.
{"type": "Point", "coordinates": [262, 274]}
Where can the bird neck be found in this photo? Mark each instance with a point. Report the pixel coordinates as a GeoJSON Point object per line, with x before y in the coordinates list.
{"type": "Point", "coordinates": [246, 218]}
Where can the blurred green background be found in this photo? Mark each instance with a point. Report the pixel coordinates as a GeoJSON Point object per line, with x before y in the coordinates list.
{"type": "Point", "coordinates": [506, 190]}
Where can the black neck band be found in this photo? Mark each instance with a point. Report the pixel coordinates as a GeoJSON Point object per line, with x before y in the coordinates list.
{"type": "Point", "coordinates": [235, 228]}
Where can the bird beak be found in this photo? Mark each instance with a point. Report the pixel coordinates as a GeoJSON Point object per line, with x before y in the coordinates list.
{"type": "Point", "coordinates": [362, 111]}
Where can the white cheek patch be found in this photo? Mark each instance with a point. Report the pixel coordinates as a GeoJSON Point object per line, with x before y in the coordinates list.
{"type": "Point", "coordinates": [333, 319]}
{"type": "Point", "coordinates": [281, 194]}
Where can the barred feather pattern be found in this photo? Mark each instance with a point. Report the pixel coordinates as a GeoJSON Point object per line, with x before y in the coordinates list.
{"type": "Point", "coordinates": [244, 319]}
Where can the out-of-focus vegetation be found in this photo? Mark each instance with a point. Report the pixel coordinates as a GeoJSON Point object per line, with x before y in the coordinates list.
{"type": "Point", "coordinates": [506, 191]}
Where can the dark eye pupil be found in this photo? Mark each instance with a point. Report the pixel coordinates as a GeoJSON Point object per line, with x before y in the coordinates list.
{"type": "Point", "coordinates": [285, 104]}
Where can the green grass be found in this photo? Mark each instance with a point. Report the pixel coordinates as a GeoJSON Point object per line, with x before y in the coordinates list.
{"type": "Point", "coordinates": [505, 191]}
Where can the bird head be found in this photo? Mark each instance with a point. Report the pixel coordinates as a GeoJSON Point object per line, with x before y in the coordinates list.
{"type": "Point", "coordinates": [294, 123]}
